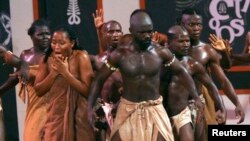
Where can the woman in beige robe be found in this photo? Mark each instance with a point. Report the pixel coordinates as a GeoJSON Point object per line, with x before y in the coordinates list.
{"type": "Point", "coordinates": [64, 77]}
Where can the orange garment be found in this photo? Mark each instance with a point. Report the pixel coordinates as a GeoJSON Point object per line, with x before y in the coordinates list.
{"type": "Point", "coordinates": [36, 108]}
{"type": "Point", "coordinates": [142, 121]}
{"type": "Point", "coordinates": [66, 111]}
{"type": "Point", "coordinates": [210, 113]}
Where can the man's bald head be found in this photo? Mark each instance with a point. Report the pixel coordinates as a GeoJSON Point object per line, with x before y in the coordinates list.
{"type": "Point", "coordinates": [176, 31]}
{"type": "Point", "coordinates": [110, 24]}
{"type": "Point", "coordinates": [140, 20]}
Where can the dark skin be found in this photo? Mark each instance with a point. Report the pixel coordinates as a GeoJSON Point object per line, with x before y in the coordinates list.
{"type": "Point", "coordinates": [62, 49]}
{"type": "Point", "coordinates": [31, 56]}
{"type": "Point", "coordinates": [41, 40]}
{"type": "Point", "coordinates": [209, 58]}
{"type": "Point", "coordinates": [109, 34]}
{"type": "Point", "coordinates": [139, 67]}
{"type": "Point", "coordinates": [178, 95]}
{"type": "Point", "coordinates": [28, 57]}
{"type": "Point", "coordinates": [105, 33]}
{"type": "Point", "coordinates": [99, 23]}
{"type": "Point", "coordinates": [71, 66]}
{"type": "Point", "coordinates": [12, 60]}
{"type": "Point", "coordinates": [112, 34]}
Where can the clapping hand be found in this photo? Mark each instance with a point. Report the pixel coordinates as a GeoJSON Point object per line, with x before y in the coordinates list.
{"type": "Point", "coordinates": [220, 44]}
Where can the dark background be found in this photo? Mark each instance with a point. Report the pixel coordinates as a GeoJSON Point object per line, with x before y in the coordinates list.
{"type": "Point", "coordinates": [165, 12]}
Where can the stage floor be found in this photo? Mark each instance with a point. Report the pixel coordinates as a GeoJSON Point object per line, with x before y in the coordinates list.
{"type": "Point", "coordinates": [245, 101]}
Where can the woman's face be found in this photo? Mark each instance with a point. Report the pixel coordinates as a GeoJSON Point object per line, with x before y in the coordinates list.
{"type": "Point", "coordinates": [41, 37]}
{"type": "Point", "coordinates": [61, 44]}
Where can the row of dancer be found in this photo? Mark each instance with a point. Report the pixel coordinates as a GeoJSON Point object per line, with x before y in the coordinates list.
{"type": "Point", "coordinates": [191, 20]}
{"type": "Point", "coordinates": [193, 24]}
{"type": "Point", "coordinates": [140, 64]}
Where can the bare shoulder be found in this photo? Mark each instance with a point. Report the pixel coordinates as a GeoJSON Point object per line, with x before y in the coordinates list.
{"type": "Point", "coordinates": [123, 48]}
{"type": "Point", "coordinates": [81, 55]}
{"type": "Point", "coordinates": [27, 52]}
{"type": "Point", "coordinates": [126, 40]}
{"type": "Point", "coordinates": [213, 54]}
{"type": "Point", "coordinates": [163, 52]}
{"type": "Point", "coordinates": [195, 66]}
{"type": "Point", "coordinates": [120, 52]}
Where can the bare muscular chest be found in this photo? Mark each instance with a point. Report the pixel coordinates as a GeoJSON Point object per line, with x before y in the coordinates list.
{"type": "Point", "coordinates": [141, 64]}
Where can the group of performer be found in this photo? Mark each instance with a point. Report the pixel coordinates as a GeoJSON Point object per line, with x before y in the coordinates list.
{"type": "Point", "coordinates": [146, 85]}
